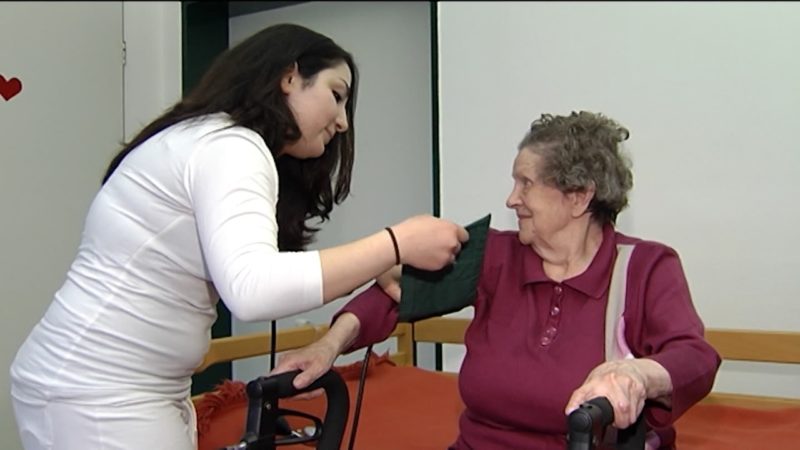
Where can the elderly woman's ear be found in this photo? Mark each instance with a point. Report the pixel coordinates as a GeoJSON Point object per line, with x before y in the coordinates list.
{"type": "Point", "coordinates": [581, 199]}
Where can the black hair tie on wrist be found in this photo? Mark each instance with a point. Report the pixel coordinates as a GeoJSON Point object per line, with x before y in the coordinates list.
{"type": "Point", "coordinates": [396, 247]}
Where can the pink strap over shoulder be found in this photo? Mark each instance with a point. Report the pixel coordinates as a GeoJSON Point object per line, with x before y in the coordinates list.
{"type": "Point", "coordinates": [616, 346]}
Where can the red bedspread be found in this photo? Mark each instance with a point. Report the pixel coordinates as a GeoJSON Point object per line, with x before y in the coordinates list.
{"type": "Point", "coordinates": [717, 427]}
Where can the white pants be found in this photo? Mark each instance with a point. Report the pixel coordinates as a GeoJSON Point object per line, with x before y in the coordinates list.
{"type": "Point", "coordinates": [151, 425]}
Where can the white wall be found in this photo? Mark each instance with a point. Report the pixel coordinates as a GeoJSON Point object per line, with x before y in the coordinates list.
{"type": "Point", "coordinates": [710, 92]}
{"type": "Point", "coordinates": [392, 176]}
{"type": "Point", "coordinates": [58, 135]}
{"type": "Point", "coordinates": [153, 70]}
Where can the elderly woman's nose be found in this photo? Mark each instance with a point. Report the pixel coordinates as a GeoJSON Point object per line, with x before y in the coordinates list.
{"type": "Point", "coordinates": [512, 200]}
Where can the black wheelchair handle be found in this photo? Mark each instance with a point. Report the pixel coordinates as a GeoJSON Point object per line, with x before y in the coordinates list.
{"type": "Point", "coordinates": [330, 381]}
{"type": "Point", "coordinates": [590, 415]}
{"type": "Point", "coordinates": [586, 427]}
{"type": "Point", "coordinates": [335, 389]}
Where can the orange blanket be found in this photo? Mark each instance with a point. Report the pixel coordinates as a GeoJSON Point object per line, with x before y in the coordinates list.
{"type": "Point", "coordinates": [717, 427]}
{"type": "Point", "coordinates": [415, 409]}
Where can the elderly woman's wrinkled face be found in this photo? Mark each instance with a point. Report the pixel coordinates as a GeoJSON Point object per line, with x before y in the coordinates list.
{"type": "Point", "coordinates": [542, 210]}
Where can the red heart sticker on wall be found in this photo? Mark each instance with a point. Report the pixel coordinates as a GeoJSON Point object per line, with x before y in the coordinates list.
{"type": "Point", "coordinates": [9, 88]}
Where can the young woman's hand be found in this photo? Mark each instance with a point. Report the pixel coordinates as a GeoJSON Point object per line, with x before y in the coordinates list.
{"type": "Point", "coordinates": [429, 243]}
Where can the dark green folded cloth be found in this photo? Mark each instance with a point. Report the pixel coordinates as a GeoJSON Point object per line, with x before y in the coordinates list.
{"type": "Point", "coordinates": [428, 293]}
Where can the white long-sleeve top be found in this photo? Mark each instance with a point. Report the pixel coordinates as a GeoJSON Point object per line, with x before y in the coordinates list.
{"type": "Point", "coordinates": [189, 213]}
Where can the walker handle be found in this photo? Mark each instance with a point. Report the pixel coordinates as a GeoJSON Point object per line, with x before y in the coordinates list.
{"type": "Point", "coordinates": [264, 391]}
{"type": "Point", "coordinates": [586, 427]}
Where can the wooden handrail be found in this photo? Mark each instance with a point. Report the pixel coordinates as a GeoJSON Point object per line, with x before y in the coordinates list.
{"type": "Point", "coordinates": [255, 344]}
{"type": "Point", "coordinates": [446, 330]}
{"type": "Point", "coordinates": [757, 346]}
{"type": "Point", "coordinates": [732, 345]}
{"type": "Point", "coordinates": [233, 348]}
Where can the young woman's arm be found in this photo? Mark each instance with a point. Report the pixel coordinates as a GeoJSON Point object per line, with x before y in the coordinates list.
{"type": "Point", "coordinates": [232, 184]}
{"type": "Point", "coordinates": [422, 241]}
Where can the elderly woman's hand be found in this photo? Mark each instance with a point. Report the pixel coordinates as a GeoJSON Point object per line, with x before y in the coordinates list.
{"type": "Point", "coordinates": [316, 359]}
{"type": "Point", "coordinates": [313, 361]}
{"type": "Point", "coordinates": [389, 281]}
{"type": "Point", "coordinates": [626, 384]}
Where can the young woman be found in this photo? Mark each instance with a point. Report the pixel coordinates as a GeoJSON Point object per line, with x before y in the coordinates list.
{"type": "Point", "coordinates": [211, 200]}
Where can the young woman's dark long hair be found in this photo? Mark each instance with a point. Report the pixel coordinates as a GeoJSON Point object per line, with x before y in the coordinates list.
{"type": "Point", "coordinates": [244, 81]}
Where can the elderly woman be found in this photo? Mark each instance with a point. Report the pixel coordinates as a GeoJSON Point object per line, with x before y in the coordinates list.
{"type": "Point", "coordinates": [536, 346]}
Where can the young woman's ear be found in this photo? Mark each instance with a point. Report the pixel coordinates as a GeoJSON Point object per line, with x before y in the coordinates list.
{"type": "Point", "coordinates": [291, 79]}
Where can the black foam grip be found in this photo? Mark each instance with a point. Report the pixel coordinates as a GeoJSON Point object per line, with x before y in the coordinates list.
{"type": "Point", "coordinates": [335, 391]}
{"type": "Point", "coordinates": [593, 413]}
{"type": "Point", "coordinates": [587, 423]}
{"type": "Point", "coordinates": [606, 411]}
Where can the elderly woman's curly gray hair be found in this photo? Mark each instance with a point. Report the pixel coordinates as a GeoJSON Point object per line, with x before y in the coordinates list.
{"type": "Point", "coordinates": [581, 151]}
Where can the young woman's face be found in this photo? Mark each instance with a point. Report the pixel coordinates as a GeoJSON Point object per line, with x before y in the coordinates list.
{"type": "Point", "coordinates": [318, 105]}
